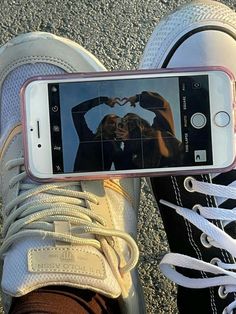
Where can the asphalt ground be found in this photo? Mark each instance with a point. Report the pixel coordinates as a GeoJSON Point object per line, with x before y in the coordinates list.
{"type": "Point", "coordinates": [116, 33]}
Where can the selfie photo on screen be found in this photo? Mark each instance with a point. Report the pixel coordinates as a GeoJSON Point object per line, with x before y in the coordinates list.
{"type": "Point", "coordinates": [119, 125]}
{"type": "Point", "coordinates": [130, 142]}
{"type": "Point", "coordinates": [131, 124]}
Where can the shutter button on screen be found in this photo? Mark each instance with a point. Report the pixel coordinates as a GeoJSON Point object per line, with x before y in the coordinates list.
{"type": "Point", "coordinates": [198, 120]}
{"type": "Point", "coordinates": [222, 119]}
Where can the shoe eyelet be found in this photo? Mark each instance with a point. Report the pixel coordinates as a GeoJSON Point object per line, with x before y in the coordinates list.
{"type": "Point", "coordinates": [196, 208]}
{"type": "Point", "coordinates": [215, 261]}
{"type": "Point", "coordinates": [188, 184]}
{"type": "Point", "coordinates": [204, 240]}
{"type": "Point", "coordinates": [222, 294]}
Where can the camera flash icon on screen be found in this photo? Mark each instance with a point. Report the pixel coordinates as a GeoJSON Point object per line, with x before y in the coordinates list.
{"type": "Point", "coordinates": [200, 155]}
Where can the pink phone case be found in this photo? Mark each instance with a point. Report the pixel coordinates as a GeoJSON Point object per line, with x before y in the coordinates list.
{"type": "Point", "coordinates": [124, 174]}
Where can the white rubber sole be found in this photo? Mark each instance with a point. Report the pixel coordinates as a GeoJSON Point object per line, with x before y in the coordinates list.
{"type": "Point", "coordinates": [185, 21]}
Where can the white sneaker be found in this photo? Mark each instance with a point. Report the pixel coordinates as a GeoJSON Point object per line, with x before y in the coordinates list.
{"type": "Point", "coordinates": [201, 33]}
{"type": "Point", "coordinates": [71, 234]}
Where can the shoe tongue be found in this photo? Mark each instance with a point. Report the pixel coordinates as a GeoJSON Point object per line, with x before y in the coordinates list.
{"type": "Point", "coordinates": [33, 263]}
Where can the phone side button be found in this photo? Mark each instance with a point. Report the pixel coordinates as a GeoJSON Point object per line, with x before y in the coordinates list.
{"type": "Point", "coordinates": [222, 119]}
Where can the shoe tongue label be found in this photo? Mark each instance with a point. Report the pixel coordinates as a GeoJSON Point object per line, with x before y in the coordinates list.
{"type": "Point", "coordinates": [63, 227]}
{"type": "Point", "coordinates": [66, 260]}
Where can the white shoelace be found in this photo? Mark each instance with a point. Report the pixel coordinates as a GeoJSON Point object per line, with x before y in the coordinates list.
{"type": "Point", "coordinates": [225, 273]}
{"type": "Point", "coordinates": [29, 217]}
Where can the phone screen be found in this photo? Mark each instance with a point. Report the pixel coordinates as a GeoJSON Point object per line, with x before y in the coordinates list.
{"type": "Point", "coordinates": [128, 124]}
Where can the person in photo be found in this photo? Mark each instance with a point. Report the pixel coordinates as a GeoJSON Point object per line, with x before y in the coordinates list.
{"type": "Point", "coordinates": [146, 145]}
{"type": "Point", "coordinates": [96, 151]}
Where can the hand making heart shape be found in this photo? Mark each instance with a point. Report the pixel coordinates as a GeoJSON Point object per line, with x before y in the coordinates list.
{"type": "Point", "coordinates": [125, 100]}
{"type": "Point", "coordinates": [122, 101]}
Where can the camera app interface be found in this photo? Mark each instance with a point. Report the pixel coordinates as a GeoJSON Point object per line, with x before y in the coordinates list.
{"type": "Point", "coordinates": [130, 124]}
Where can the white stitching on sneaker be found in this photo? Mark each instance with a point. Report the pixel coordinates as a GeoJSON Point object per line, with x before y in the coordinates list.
{"type": "Point", "coordinates": [225, 272]}
{"type": "Point", "coordinates": [195, 247]}
{"type": "Point", "coordinates": [35, 219]}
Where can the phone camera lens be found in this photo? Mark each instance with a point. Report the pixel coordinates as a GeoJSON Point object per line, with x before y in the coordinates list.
{"type": "Point", "coordinates": [196, 85]}
{"type": "Point", "coordinates": [31, 129]}
{"type": "Point", "coordinates": [39, 145]}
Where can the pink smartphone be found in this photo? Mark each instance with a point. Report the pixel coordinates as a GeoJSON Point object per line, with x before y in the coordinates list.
{"type": "Point", "coordinates": [134, 123]}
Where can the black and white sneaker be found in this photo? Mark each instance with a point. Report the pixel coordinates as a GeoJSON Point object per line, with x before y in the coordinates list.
{"type": "Point", "coordinates": [198, 212]}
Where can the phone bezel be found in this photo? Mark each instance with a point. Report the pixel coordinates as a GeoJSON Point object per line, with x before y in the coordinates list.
{"type": "Point", "coordinates": [42, 156]}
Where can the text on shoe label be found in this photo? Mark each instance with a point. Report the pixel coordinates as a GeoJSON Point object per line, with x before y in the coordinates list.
{"type": "Point", "coordinates": [66, 260]}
